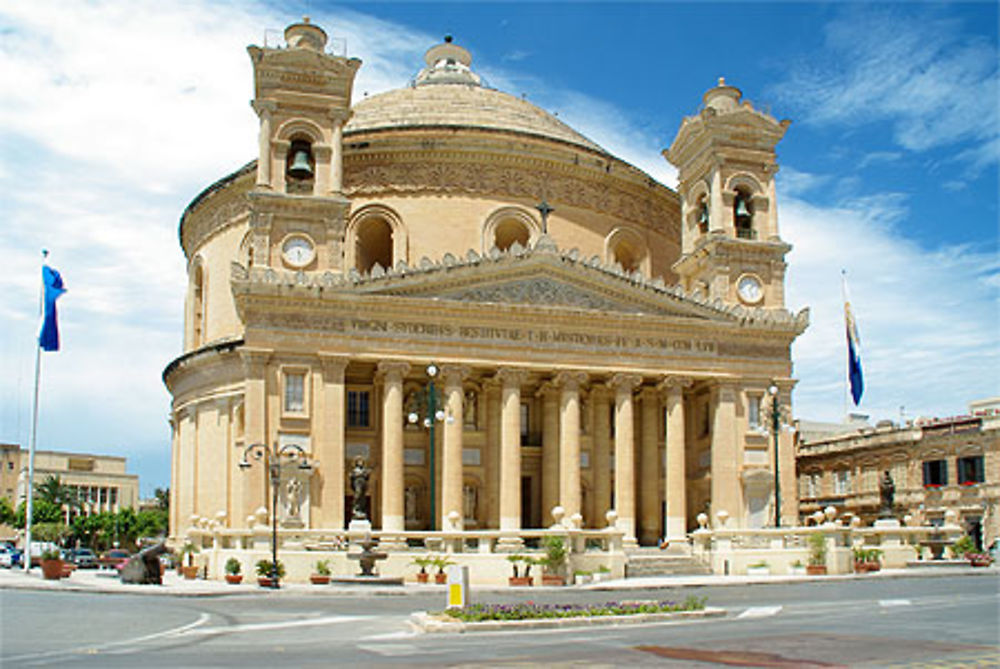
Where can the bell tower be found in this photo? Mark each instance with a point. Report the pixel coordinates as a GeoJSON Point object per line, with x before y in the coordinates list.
{"type": "Point", "coordinates": [302, 96]}
{"type": "Point", "coordinates": [730, 246]}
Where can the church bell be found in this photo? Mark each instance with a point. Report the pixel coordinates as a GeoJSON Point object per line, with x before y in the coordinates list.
{"type": "Point", "coordinates": [741, 208]}
{"type": "Point", "coordinates": [300, 168]}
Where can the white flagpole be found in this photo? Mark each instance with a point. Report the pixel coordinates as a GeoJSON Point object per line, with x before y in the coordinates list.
{"type": "Point", "coordinates": [26, 557]}
{"type": "Point", "coordinates": [847, 366]}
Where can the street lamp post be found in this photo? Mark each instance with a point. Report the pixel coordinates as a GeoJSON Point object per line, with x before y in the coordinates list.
{"type": "Point", "coordinates": [775, 428]}
{"type": "Point", "coordinates": [272, 460]}
{"type": "Point", "coordinates": [427, 404]}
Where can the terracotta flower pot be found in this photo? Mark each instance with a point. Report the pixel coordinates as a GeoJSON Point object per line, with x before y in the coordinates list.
{"type": "Point", "coordinates": [440, 577]}
{"type": "Point", "coordinates": [319, 579]}
{"type": "Point", "coordinates": [816, 570]}
{"type": "Point", "coordinates": [553, 579]}
{"type": "Point", "coordinates": [979, 563]}
{"type": "Point", "coordinates": [520, 581]}
{"type": "Point", "coordinates": [234, 579]}
{"type": "Point", "coordinates": [265, 582]}
{"type": "Point", "coordinates": [422, 577]}
{"type": "Point", "coordinates": [52, 569]}
{"type": "Point", "coordinates": [190, 572]}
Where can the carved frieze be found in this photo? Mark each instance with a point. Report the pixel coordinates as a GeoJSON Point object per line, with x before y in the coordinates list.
{"type": "Point", "coordinates": [541, 291]}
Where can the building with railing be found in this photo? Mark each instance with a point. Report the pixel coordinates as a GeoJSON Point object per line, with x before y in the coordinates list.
{"type": "Point", "coordinates": [936, 465]}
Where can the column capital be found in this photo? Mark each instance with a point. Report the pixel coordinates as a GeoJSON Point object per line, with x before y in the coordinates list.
{"type": "Point", "coordinates": [511, 376]}
{"type": "Point", "coordinates": [570, 380]}
{"type": "Point", "coordinates": [393, 370]}
{"type": "Point", "coordinates": [674, 384]}
{"type": "Point", "coordinates": [453, 375]}
{"type": "Point", "coordinates": [263, 107]}
{"type": "Point", "coordinates": [725, 388]}
{"type": "Point", "coordinates": [333, 363]}
{"type": "Point", "coordinates": [624, 383]}
{"type": "Point", "coordinates": [255, 359]}
{"type": "Point", "coordinates": [546, 388]}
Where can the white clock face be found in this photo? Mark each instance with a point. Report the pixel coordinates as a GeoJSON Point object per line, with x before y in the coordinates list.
{"type": "Point", "coordinates": [298, 251]}
{"type": "Point", "coordinates": [750, 289]}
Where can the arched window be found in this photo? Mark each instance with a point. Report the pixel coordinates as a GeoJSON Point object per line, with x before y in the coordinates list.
{"type": "Point", "coordinates": [373, 244]}
{"type": "Point", "coordinates": [743, 215]}
{"type": "Point", "coordinates": [509, 231]}
{"type": "Point", "coordinates": [508, 225]}
{"type": "Point", "coordinates": [197, 305]}
{"type": "Point", "coordinates": [627, 248]}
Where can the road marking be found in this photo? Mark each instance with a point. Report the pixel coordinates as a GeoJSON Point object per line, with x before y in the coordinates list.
{"type": "Point", "coordinates": [404, 634]}
{"type": "Point", "coordinates": [256, 627]}
{"type": "Point", "coordinates": [391, 649]}
{"type": "Point", "coordinates": [760, 612]}
{"type": "Point", "coordinates": [39, 658]}
{"type": "Point", "coordinates": [894, 602]}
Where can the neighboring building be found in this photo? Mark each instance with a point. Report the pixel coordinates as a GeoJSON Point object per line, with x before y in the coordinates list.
{"type": "Point", "coordinates": [935, 464]}
{"type": "Point", "coordinates": [101, 482]}
{"type": "Point", "coordinates": [10, 469]}
{"type": "Point", "coordinates": [600, 340]}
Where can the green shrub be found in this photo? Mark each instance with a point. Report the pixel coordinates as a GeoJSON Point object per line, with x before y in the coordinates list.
{"type": "Point", "coordinates": [963, 545]}
{"type": "Point", "coordinates": [529, 611]}
{"type": "Point", "coordinates": [817, 549]}
{"type": "Point", "coordinates": [264, 569]}
{"type": "Point", "coordinates": [323, 567]}
{"type": "Point", "coordinates": [233, 566]}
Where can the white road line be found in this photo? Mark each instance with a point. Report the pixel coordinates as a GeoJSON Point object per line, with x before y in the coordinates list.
{"type": "Point", "coordinates": [760, 612]}
{"type": "Point", "coordinates": [202, 619]}
{"type": "Point", "coordinates": [894, 602]}
{"type": "Point", "coordinates": [404, 634]}
{"type": "Point", "coordinates": [392, 649]}
{"type": "Point", "coordinates": [284, 624]}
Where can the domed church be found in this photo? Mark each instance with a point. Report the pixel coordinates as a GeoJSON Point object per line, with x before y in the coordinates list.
{"type": "Point", "coordinates": [504, 325]}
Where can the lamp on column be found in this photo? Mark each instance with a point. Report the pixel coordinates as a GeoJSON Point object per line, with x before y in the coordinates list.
{"type": "Point", "coordinates": [272, 461]}
{"type": "Point", "coordinates": [426, 411]}
{"type": "Point", "coordinates": [775, 429]}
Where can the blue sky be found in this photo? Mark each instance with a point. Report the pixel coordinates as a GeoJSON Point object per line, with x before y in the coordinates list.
{"type": "Point", "coordinates": [115, 114]}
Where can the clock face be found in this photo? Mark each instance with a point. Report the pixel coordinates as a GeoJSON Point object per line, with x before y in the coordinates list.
{"type": "Point", "coordinates": [298, 251]}
{"type": "Point", "coordinates": [750, 289]}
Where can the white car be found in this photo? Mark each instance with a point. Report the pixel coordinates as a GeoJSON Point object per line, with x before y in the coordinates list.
{"type": "Point", "coordinates": [9, 557]}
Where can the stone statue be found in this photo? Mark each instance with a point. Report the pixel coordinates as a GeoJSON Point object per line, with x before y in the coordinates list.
{"type": "Point", "coordinates": [144, 567]}
{"type": "Point", "coordinates": [359, 485]}
{"type": "Point", "coordinates": [410, 503]}
{"type": "Point", "coordinates": [293, 497]}
{"type": "Point", "coordinates": [887, 494]}
{"type": "Point", "coordinates": [469, 499]}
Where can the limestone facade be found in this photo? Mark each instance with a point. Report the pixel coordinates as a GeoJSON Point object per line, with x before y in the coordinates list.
{"type": "Point", "coordinates": [589, 343]}
{"type": "Point", "coordinates": [937, 466]}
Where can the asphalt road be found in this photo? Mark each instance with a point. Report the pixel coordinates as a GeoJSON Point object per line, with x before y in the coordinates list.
{"type": "Point", "coordinates": [940, 621]}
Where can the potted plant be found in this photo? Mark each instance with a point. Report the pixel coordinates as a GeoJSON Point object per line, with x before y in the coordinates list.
{"type": "Point", "coordinates": [554, 561]}
{"type": "Point", "coordinates": [963, 546]}
{"type": "Point", "coordinates": [188, 568]}
{"type": "Point", "coordinates": [817, 555]}
{"type": "Point", "coordinates": [52, 568]}
{"type": "Point", "coordinates": [581, 576]}
{"type": "Point", "coordinates": [524, 577]}
{"type": "Point", "coordinates": [440, 561]}
{"type": "Point", "coordinates": [322, 574]}
{"type": "Point", "coordinates": [233, 568]}
{"type": "Point", "coordinates": [866, 560]}
{"type": "Point", "coordinates": [423, 561]}
{"type": "Point", "coordinates": [264, 578]}
{"type": "Point", "coordinates": [979, 559]}
{"type": "Point", "coordinates": [759, 568]}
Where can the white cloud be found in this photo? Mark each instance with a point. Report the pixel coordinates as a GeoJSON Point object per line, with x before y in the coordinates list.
{"type": "Point", "coordinates": [935, 84]}
{"type": "Point", "coordinates": [928, 318]}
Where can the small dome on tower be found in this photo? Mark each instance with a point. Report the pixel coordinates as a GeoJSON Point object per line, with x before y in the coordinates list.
{"type": "Point", "coordinates": [448, 63]}
{"type": "Point", "coordinates": [305, 35]}
{"type": "Point", "coordinates": [722, 98]}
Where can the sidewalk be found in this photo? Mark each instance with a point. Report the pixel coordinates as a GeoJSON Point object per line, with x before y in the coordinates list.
{"type": "Point", "coordinates": [105, 581]}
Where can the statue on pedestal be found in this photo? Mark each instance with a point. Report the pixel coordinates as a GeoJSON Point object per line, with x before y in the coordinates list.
{"type": "Point", "coordinates": [359, 486]}
{"type": "Point", "coordinates": [887, 494]}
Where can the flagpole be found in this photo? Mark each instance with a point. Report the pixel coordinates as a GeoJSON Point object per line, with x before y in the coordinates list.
{"type": "Point", "coordinates": [847, 368]}
{"type": "Point", "coordinates": [34, 433]}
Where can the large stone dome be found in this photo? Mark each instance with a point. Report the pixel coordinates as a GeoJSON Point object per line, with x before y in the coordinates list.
{"type": "Point", "coordinates": [448, 94]}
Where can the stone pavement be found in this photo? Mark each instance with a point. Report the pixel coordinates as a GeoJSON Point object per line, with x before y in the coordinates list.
{"type": "Point", "coordinates": [106, 581]}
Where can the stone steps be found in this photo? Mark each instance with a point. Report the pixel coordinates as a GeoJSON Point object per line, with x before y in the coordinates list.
{"type": "Point", "coordinates": [640, 564]}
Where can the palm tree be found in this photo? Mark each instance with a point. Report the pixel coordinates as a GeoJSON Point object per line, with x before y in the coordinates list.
{"type": "Point", "coordinates": [54, 492]}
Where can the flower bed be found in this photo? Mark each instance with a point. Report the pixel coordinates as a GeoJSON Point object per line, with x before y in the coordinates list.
{"type": "Point", "coordinates": [531, 611]}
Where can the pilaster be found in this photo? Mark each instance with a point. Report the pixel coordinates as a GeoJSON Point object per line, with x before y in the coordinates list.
{"type": "Point", "coordinates": [649, 468]}
{"type": "Point", "coordinates": [328, 445]}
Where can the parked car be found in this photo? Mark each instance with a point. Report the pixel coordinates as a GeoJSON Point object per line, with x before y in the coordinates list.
{"type": "Point", "coordinates": [10, 557]}
{"type": "Point", "coordinates": [114, 558]}
{"type": "Point", "coordinates": [83, 558]}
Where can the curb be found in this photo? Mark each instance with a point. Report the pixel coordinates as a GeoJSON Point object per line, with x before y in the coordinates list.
{"type": "Point", "coordinates": [436, 624]}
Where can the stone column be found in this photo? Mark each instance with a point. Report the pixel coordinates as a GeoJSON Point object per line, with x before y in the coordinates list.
{"type": "Point", "coordinates": [391, 374]}
{"type": "Point", "coordinates": [550, 450]}
{"type": "Point", "coordinates": [254, 487]}
{"type": "Point", "coordinates": [336, 158]}
{"type": "Point", "coordinates": [510, 452]}
{"type": "Point", "coordinates": [569, 440]}
{"type": "Point", "coordinates": [264, 109]}
{"type": "Point", "coordinates": [649, 468]}
{"type": "Point", "coordinates": [726, 495]}
{"type": "Point", "coordinates": [451, 456]}
{"type": "Point", "coordinates": [623, 385]}
{"type": "Point", "coordinates": [676, 477]}
{"type": "Point", "coordinates": [601, 463]}
{"type": "Point", "coordinates": [492, 401]}
{"type": "Point", "coordinates": [327, 510]}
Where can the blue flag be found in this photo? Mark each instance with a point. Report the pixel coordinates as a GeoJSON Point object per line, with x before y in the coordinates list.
{"type": "Point", "coordinates": [48, 338]}
{"type": "Point", "coordinates": [854, 374]}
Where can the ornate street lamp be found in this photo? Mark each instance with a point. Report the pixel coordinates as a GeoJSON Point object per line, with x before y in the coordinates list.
{"type": "Point", "coordinates": [426, 411]}
{"type": "Point", "coordinates": [272, 460]}
{"type": "Point", "coordinates": [775, 428]}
